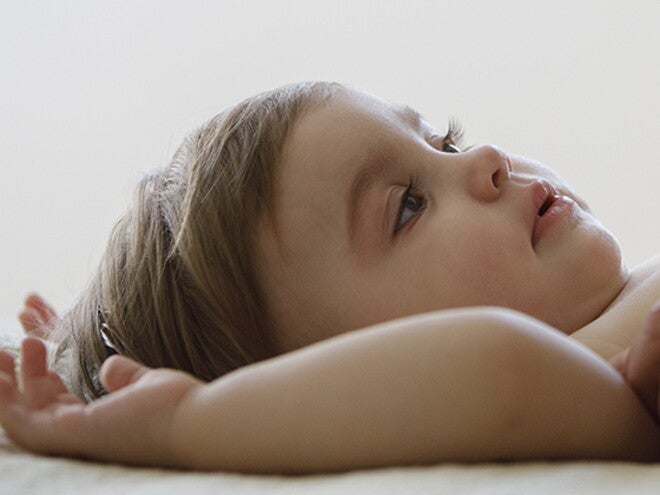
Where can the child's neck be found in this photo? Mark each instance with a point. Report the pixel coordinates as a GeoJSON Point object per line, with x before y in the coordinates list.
{"type": "Point", "coordinates": [614, 329]}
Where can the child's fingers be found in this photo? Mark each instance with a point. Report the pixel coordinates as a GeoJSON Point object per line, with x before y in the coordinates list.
{"type": "Point", "coordinates": [39, 304]}
{"type": "Point", "coordinates": [8, 384]}
{"type": "Point", "coordinates": [33, 363]}
{"type": "Point", "coordinates": [30, 321]}
{"type": "Point", "coordinates": [8, 367]}
{"type": "Point", "coordinates": [25, 417]}
{"type": "Point", "coordinates": [118, 371]}
{"type": "Point", "coordinates": [46, 432]}
{"type": "Point", "coordinates": [39, 389]}
{"type": "Point", "coordinates": [36, 314]}
{"type": "Point", "coordinates": [7, 391]}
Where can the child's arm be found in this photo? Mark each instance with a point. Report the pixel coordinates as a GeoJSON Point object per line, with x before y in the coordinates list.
{"type": "Point", "coordinates": [464, 385]}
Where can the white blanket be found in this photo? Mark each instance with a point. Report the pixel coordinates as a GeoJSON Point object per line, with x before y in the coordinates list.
{"type": "Point", "coordinates": [24, 473]}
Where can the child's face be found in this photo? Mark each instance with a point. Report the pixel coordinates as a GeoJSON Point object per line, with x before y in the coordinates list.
{"type": "Point", "coordinates": [469, 233]}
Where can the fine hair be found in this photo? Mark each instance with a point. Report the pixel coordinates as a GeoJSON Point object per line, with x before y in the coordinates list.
{"type": "Point", "coordinates": [176, 286]}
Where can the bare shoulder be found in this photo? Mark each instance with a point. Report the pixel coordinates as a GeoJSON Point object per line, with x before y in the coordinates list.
{"type": "Point", "coordinates": [643, 289]}
{"type": "Point", "coordinates": [648, 269]}
{"type": "Point", "coordinates": [625, 317]}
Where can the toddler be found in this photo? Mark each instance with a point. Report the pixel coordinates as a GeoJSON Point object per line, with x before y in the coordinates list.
{"type": "Point", "coordinates": [339, 285]}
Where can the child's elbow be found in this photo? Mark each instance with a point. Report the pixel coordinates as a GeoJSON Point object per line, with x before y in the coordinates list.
{"type": "Point", "coordinates": [564, 401]}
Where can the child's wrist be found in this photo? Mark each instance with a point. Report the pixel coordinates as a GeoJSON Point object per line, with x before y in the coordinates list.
{"type": "Point", "coordinates": [181, 435]}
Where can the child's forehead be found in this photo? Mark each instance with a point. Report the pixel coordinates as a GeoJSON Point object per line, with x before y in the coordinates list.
{"type": "Point", "coordinates": [362, 106]}
{"type": "Point", "coordinates": [337, 134]}
{"type": "Point", "coordinates": [349, 121]}
{"type": "Point", "coordinates": [322, 154]}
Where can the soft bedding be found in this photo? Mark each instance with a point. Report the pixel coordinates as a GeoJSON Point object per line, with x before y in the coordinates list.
{"type": "Point", "coordinates": [24, 473]}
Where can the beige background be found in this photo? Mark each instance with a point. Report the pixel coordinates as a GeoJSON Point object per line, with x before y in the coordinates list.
{"type": "Point", "coordinates": [92, 94]}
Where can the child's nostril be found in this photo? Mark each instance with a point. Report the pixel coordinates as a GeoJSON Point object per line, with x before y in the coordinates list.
{"type": "Point", "coordinates": [496, 179]}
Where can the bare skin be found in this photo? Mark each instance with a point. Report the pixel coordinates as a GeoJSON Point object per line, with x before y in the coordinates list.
{"type": "Point", "coordinates": [178, 421]}
{"type": "Point", "coordinates": [639, 364]}
{"type": "Point", "coordinates": [614, 345]}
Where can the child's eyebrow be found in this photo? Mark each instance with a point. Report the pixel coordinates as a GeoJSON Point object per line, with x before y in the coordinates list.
{"type": "Point", "coordinates": [375, 162]}
{"type": "Point", "coordinates": [410, 116]}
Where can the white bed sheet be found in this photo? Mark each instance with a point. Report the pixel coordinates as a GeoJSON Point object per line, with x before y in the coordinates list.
{"type": "Point", "coordinates": [24, 473]}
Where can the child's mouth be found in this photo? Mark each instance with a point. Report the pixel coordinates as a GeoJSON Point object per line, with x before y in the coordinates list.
{"type": "Point", "coordinates": [553, 209]}
{"type": "Point", "coordinates": [547, 204]}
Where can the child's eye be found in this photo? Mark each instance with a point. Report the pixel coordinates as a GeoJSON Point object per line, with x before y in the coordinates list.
{"type": "Point", "coordinates": [452, 142]}
{"type": "Point", "coordinates": [411, 204]}
{"type": "Point", "coordinates": [450, 148]}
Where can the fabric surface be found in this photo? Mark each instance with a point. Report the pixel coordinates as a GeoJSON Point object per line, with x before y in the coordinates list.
{"type": "Point", "coordinates": [24, 473]}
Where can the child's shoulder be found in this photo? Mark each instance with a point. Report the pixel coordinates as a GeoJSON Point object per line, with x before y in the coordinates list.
{"type": "Point", "coordinates": [642, 291]}
{"type": "Point", "coordinates": [625, 317]}
{"type": "Point", "coordinates": [650, 268]}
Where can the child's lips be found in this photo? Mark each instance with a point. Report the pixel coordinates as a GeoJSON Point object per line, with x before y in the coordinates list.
{"type": "Point", "coordinates": [549, 214]}
{"type": "Point", "coordinates": [543, 198]}
{"type": "Point", "coordinates": [542, 193]}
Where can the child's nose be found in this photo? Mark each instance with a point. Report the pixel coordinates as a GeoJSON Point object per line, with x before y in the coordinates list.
{"type": "Point", "coordinates": [487, 171]}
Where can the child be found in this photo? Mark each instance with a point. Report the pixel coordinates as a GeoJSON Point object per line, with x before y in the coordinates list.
{"type": "Point", "coordinates": [411, 303]}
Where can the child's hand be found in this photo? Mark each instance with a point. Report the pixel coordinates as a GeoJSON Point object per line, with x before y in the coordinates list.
{"type": "Point", "coordinates": [640, 364]}
{"type": "Point", "coordinates": [35, 316]}
{"type": "Point", "coordinates": [130, 425]}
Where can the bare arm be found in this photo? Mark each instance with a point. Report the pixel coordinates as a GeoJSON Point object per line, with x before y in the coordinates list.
{"type": "Point", "coordinates": [465, 385]}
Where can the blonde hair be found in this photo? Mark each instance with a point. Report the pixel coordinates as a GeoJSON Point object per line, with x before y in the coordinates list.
{"type": "Point", "coordinates": [176, 286]}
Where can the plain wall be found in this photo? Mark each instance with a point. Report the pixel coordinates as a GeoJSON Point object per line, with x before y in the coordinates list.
{"type": "Point", "coordinates": [93, 94]}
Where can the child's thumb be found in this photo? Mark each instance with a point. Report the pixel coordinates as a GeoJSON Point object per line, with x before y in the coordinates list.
{"type": "Point", "coordinates": [118, 371]}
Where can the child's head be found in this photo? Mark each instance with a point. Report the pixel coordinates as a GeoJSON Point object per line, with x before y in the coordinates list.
{"type": "Point", "coordinates": [379, 215]}
{"type": "Point", "coordinates": [257, 238]}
